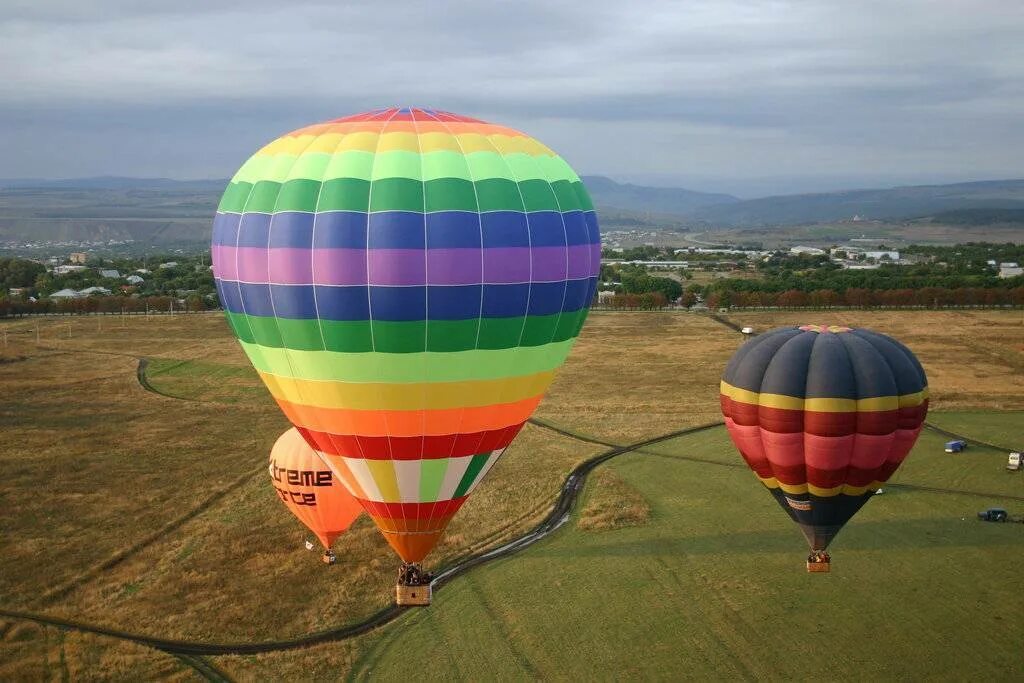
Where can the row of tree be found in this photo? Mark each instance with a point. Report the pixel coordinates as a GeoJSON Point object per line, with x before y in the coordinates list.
{"type": "Point", "coordinates": [859, 297]}
{"type": "Point", "coordinates": [649, 301]}
{"type": "Point", "coordinates": [105, 304]}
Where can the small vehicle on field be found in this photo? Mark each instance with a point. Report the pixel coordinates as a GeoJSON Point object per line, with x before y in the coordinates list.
{"type": "Point", "coordinates": [994, 515]}
{"type": "Point", "coordinates": [1013, 462]}
{"type": "Point", "coordinates": [956, 446]}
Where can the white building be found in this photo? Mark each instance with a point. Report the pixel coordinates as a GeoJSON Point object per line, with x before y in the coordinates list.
{"type": "Point", "coordinates": [134, 280]}
{"type": "Point", "coordinates": [810, 251]}
{"type": "Point", "coordinates": [110, 273]}
{"type": "Point", "coordinates": [169, 264]}
{"type": "Point", "coordinates": [89, 291]}
{"type": "Point", "coordinates": [1010, 269]}
{"type": "Point", "coordinates": [64, 270]}
{"type": "Point", "coordinates": [65, 294]}
{"type": "Point", "coordinates": [880, 255]}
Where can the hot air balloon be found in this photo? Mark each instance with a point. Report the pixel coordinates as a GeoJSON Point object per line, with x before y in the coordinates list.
{"type": "Point", "coordinates": [406, 282]}
{"type": "Point", "coordinates": [308, 489]}
{"type": "Point", "coordinates": [823, 415]}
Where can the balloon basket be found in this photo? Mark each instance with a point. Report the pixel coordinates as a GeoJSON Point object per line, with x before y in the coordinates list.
{"type": "Point", "coordinates": [413, 595]}
{"type": "Point", "coordinates": [814, 567]}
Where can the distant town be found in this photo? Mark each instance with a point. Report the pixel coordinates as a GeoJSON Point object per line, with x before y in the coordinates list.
{"type": "Point", "coordinates": [862, 272]}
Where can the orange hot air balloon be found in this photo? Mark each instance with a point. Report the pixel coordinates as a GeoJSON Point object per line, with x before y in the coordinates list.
{"type": "Point", "coordinates": [308, 489]}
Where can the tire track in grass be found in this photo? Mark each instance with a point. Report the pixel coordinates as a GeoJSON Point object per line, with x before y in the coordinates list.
{"type": "Point", "coordinates": [969, 439]}
{"type": "Point", "coordinates": [568, 495]}
{"type": "Point", "coordinates": [123, 554]}
{"type": "Point", "coordinates": [205, 668]}
{"type": "Point", "coordinates": [559, 514]}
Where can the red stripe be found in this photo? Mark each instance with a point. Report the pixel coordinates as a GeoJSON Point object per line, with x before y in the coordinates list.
{"type": "Point", "coordinates": [442, 508]}
{"type": "Point", "coordinates": [410, 447]}
{"type": "Point", "coordinates": [786, 421]}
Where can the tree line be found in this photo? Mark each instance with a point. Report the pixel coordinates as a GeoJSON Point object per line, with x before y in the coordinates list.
{"type": "Point", "coordinates": [104, 304]}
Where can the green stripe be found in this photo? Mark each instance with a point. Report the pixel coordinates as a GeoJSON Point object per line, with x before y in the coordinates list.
{"type": "Point", "coordinates": [431, 477]}
{"type": "Point", "coordinates": [413, 336]}
{"type": "Point", "coordinates": [362, 165]}
{"type": "Point", "coordinates": [404, 194]}
{"type": "Point", "coordinates": [475, 465]}
{"type": "Point", "coordinates": [400, 368]}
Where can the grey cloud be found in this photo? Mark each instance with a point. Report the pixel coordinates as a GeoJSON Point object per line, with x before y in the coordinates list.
{"type": "Point", "coordinates": [738, 88]}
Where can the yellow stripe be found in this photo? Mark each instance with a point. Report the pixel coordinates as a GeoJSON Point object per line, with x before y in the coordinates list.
{"type": "Point", "coordinates": [415, 396]}
{"type": "Point", "coordinates": [383, 473]}
{"type": "Point", "coordinates": [824, 405]}
{"type": "Point", "coordinates": [847, 489]}
{"type": "Point", "coordinates": [464, 143]}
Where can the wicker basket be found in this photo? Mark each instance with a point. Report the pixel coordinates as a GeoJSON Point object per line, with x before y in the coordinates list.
{"type": "Point", "coordinates": [819, 566]}
{"type": "Point", "coordinates": [412, 595]}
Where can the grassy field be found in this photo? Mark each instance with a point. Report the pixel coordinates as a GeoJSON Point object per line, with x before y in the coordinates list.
{"type": "Point", "coordinates": [151, 513]}
{"type": "Point", "coordinates": [992, 427]}
{"type": "Point", "coordinates": [974, 358]}
{"type": "Point", "coordinates": [713, 587]}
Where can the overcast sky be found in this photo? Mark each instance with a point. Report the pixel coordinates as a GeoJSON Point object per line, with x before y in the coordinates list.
{"type": "Point", "coordinates": [744, 97]}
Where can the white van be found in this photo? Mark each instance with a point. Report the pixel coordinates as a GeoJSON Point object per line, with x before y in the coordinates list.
{"type": "Point", "coordinates": [1013, 462]}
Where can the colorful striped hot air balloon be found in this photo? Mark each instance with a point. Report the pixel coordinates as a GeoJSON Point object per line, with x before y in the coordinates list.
{"type": "Point", "coordinates": [406, 282]}
{"type": "Point", "coordinates": [310, 492]}
{"type": "Point", "coordinates": [823, 415]}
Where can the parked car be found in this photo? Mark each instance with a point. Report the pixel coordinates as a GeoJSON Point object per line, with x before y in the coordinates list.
{"type": "Point", "coordinates": [955, 446]}
{"type": "Point", "coordinates": [993, 515]}
{"type": "Point", "coordinates": [1013, 461]}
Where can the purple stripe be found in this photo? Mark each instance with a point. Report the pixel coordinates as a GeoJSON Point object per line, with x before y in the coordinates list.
{"type": "Point", "coordinates": [405, 267]}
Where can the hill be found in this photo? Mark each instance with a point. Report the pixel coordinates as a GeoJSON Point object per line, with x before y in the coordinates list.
{"type": "Point", "coordinates": [878, 204]}
{"type": "Point", "coordinates": [163, 212]}
{"type": "Point", "coordinates": [112, 183]}
{"type": "Point", "coordinates": [148, 211]}
{"type": "Point", "coordinates": [666, 200]}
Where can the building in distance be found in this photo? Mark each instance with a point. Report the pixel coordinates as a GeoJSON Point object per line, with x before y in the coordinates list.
{"type": "Point", "coordinates": [1010, 269]}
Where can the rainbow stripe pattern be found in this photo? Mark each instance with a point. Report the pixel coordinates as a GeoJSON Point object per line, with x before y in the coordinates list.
{"type": "Point", "coordinates": [406, 282]}
{"type": "Point", "coordinates": [823, 415]}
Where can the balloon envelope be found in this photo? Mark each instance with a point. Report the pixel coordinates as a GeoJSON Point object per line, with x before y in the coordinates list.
{"type": "Point", "coordinates": [823, 415]}
{"type": "Point", "coordinates": [406, 282]}
{"type": "Point", "coordinates": [308, 489]}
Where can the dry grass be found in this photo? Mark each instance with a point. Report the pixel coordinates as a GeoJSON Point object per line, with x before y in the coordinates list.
{"type": "Point", "coordinates": [633, 375]}
{"type": "Point", "coordinates": [974, 358]}
{"type": "Point", "coordinates": [30, 652]}
{"type": "Point", "coordinates": [612, 504]}
{"type": "Point", "coordinates": [93, 465]}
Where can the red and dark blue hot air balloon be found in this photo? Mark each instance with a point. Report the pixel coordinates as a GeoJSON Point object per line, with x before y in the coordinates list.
{"type": "Point", "coordinates": [823, 415]}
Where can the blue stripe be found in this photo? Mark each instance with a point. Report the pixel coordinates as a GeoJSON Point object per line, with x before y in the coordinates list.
{"type": "Point", "coordinates": [594, 232]}
{"type": "Point", "coordinates": [406, 303]}
{"type": "Point", "coordinates": [405, 230]}
{"type": "Point", "coordinates": [225, 228]}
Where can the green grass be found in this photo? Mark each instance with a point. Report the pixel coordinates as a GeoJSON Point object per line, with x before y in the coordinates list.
{"type": "Point", "coordinates": [94, 465]}
{"type": "Point", "coordinates": [713, 586]}
{"type": "Point", "coordinates": [1002, 429]}
{"type": "Point", "coordinates": [201, 380]}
